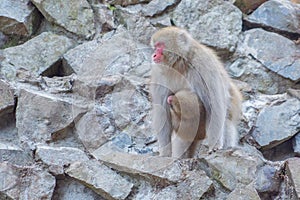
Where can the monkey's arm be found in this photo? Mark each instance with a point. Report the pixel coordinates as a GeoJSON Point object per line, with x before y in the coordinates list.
{"type": "Point", "coordinates": [161, 123]}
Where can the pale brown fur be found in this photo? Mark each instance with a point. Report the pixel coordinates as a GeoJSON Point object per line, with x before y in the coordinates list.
{"type": "Point", "coordinates": [186, 64]}
{"type": "Point", "coordinates": [188, 121]}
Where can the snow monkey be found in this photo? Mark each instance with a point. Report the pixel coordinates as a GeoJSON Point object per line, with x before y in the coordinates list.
{"type": "Point", "coordinates": [181, 63]}
{"type": "Point", "coordinates": [188, 122]}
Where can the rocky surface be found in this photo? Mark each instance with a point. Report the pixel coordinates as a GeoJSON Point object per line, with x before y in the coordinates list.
{"type": "Point", "coordinates": [75, 108]}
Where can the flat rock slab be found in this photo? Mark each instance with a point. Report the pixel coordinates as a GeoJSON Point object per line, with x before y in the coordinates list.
{"type": "Point", "coordinates": [274, 51]}
{"type": "Point", "coordinates": [40, 115]}
{"type": "Point", "coordinates": [154, 167]}
{"type": "Point", "coordinates": [25, 182]}
{"type": "Point", "coordinates": [75, 16]}
{"type": "Point", "coordinates": [244, 193]}
{"type": "Point", "coordinates": [14, 155]}
{"type": "Point", "coordinates": [233, 168]}
{"type": "Point", "coordinates": [6, 98]}
{"type": "Point", "coordinates": [156, 7]}
{"type": "Point", "coordinates": [199, 18]}
{"type": "Point", "coordinates": [278, 14]}
{"type": "Point", "coordinates": [293, 170]}
{"type": "Point", "coordinates": [18, 17]}
{"type": "Point", "coordinates": [101, 179]}
{"type": "Point", "coordinates": [60, 155]}
{"type": "Point", "coordinates": [36, 55]}
{"type": "Point", "coordinates": [278, 123]}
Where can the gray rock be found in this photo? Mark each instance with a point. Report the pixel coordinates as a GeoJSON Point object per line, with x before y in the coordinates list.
{"type": "Point", "coordinates": [275, 52]}
{"type": "Point", "coordinates": [41, 115]}
{"type": "Point", "coordinates": [99, 56]}
{"type": "Point", "coordinates": [277, 123]}
{"type": "Point", "coordinates": [6, 99]}
{"type": "Point", "coordinates": [244, 193]}
{"type": "Point", "coordinates": [104, 17]}
{"type": "Point", "coordinates": [156, 7]}
{"type": "Point", "coordinates": [18, 17]}
{"type": "Point", "coordinates": [101, 179]}
{"type": "Point", "coordinates": [116, 55]}
{"type": "Point", "coordinates": [136, 24]}
{"type": "Point", "coordinates": [282, 15]}
{"type": "Point", "coordinates": [153, 167]}
{"type": "Point", "coordinates": [14, 155]}
{"type": "Point", "coordinates": [67, 189]}
{"type": "Point", "coordinates": [293, 171]}
{"type": "Point", "coordinates": [75, 16]}
{"type": "Point", "coordinates": [36, 55]}
{"type": "Point", "coordinates": [60, 156]}
{"type": "Point", "coordinates": [267, 180]}
{"type": "Point", "coordinates": [90, 131]}
{"type": "Point", "coordinates": [296, 144]}
{"type": "Point", "coordinates": [214, 23]}
{"type": "Point", "coordinates": [25, 183]}
{"type": "Point", "coordinates": [197, 183]}
{"type": "Point", "coordinates": [294, 93]}
{"type": "Point", "coordinates": [255, 74]}
{"type": "Point", "coordinates": [232, 168]}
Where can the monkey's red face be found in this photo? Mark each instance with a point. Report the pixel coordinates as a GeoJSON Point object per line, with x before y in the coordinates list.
{"type": "Point", "coordinates": [158, 55]}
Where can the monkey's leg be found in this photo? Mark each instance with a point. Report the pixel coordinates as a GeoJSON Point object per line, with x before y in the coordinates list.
{"type": "Point", "coordinates": [180, 147]}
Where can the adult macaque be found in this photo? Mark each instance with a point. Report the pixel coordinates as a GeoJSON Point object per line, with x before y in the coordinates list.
{"type": "Point", "coordinates": [184, 64]}
{"type": "Point", "coordinates": [188, 122]}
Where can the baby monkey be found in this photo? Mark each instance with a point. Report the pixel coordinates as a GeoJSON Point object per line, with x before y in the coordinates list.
{"type": "Point", "coordinates": [188, 123]}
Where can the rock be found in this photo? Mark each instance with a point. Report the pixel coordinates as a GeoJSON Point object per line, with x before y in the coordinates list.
{"type": "Point", "coordinates": [36, 55]}
{"type": "Point", "coordinates": [3, 40]}
{"type": "Point", "coordinates": [254, 73]}
{"type": "Point", "coordinates": [159, 170]}
{"type": "Point", "coordinates": [101, 179]}
{"type": "Point", "coordinates": [104, 17]}
{"type": "Point", "coordinates": [25, 183]}
{"type": "Point", "coordinates": [126, 2]}
{"type": "Point", "coordinates": [14, 155]}
{"type": "Point", "coordinates": [40, 116]}
{"type": "Point", "coordinates": [67, 189]}
{"type": "Point", "coordinates": [92, 138]}
{"type": "Point", "coordinates": [275, 52]}
{"type": "Point", "coordinates": [137, 25]}
{"type": "Point", "coordinates": [214, 23]}
{"type": "Point", "coordinates": [294, 93]}
{"type": "Point", "coordinates": [60, 156]}
{"type": "Point", "coordinates": [233, 168]}
{"type": "Point", "coordinates": [153, 167]}
{"type": "Point", "coordinates": [247, 6]}
{"type": "Point", "coordinates": [197, 186]}
{"type": "Point", "coordinates": [157, 7]}
{"type": "Point", "coordinates": [115, 55]}
{"type": "Point", "coordinates": [267, 179]}
{"type": "Point", "coordinates": [293, 171]}
{"type": "Point", "coordinates": [277, 14]}
{"type": "Point", "coordinates": [296, 144]}
{"type": "Point", "coordinates": [18, 18]}
{"type": "Point", "coordinates": [75, 16]}
{"type": "Point", "coordinates": [244, 193]}
{"type": "Point", "coordinates": [7, 101]}
{"type": "Point", "coordinates": [277, 123]}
